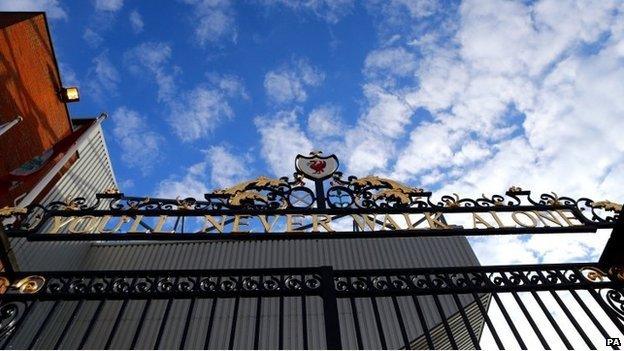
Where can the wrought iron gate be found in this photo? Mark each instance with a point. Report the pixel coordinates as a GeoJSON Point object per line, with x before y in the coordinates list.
{"type": "Point", "coordinates": [546, 305]}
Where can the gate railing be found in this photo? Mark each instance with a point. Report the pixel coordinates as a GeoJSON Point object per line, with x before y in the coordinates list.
{"type": "Point", "coordinates": [548, 305]}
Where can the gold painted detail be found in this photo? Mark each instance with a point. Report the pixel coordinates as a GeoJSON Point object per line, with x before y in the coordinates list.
{"type": "Point", "coordinates": [394, 191]}
{"type": "Point", "coordinates": [244, 192]}
{"type": "Point", "coordinates": [554, 201]}
{"type": "Point", "coordinates": [10, 211]}
{"type": "Point", "coordinates": [593, 274]}
{"type": "Point", "coordinates": [452, 202]}
{"type": "Point", "coordinates": [111, 191]}
{"type": "Point", "coordinates": [4, 285]}
{"type": "Point", "coordinates": [514, 189]}
{"type": "Point", "coordinates": [30, 284]}
{"type": "Point", "coordinates": [607, 205]}
{"type": "Point", "coordinates": [617, 272]}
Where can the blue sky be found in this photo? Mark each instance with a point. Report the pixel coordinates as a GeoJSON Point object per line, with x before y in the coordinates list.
{"type": "Point", "coordinates": [464, 97]}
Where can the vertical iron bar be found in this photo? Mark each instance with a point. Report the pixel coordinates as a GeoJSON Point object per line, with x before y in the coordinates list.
{"type": "Point", "coordinates": [530, 320]}
{"type": "Point", "coordinates": [210, 321]}
{"type": "Point", "coordinates": [552, 321]}
{"type": "Point", "coordinates": [447, 329]}
{"type": "Point", "coordinates": [320, 194]}
{"type": "Point", "coordinates": [280, 326]}
{"type": "Point", "coordinates": [591, 316]}
{"type": "Point", "coordinates": [187, 323]}
{"type": "Point", "coordinates": [356, 323]}
{"type": "Point", "coordinates": [10, 336]}
{"type": "Point", "coordinates": [509, 321]}
{"type": "Point", "coordinates": [573, 320]}
{"type": "Point", "coordinates": [395, 303]}
{"type": "Point", "coordinates": [163, 323]}
{"type": "Point", "coordinates": [257, 326]}
{"type": "Point", "coordinates": [330, 309]}
{"type": "Point", "coordinates": [382, 337]}
{"type": "Point", "coordinates": [68, 324]}
{"type": "Point", "coordinates": [304, 319]}
{"type": "Point", "coordinates": [462, 313]}
{"type": "Point", "coordinates": [140, 324]}
{"type": "Point", "coordinates": [423, 322]}
{"type": "Point", "coordinates": [116, 324]}
{"type": "Point", "coordinates": [233, 327]}
{"type": "Point", "coordinates": [489, 323]}
{"type": "Point", "coordinates": [614, 318]}
{"type": "Point", "coordinates": [42, 326]}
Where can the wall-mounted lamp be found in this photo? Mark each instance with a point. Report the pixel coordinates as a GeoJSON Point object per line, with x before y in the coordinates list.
{"type": "Point", "coordinates": [69, 94]}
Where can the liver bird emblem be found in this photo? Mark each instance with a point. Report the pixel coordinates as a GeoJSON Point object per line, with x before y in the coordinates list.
{"type": "Point", "coordinates": [318, 166]}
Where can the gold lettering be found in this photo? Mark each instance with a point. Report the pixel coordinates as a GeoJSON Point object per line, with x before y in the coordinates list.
{"type": "Point", "coordinates": [103, 222]}
{"type": "Point", "coordinates": [514, 216]}
{"type": "Point", "coordinates": [476, 219]}
{"type": "Point", "coordinates": [389, 223]}
{"type": "Point", "coordinates": [265, 223]}
{"type": "Point", "coordinates": [210, 221]}
{"type": "Point", "coordinates": [498, 220]}
{"type": "Point", "coordinates": [567, 219]}
{"type": "Point", "coordinates": [122, 220]}
{"type": "Point", "coordinates": [73, 227]}
{"type": "Point", "coordinates": [408, 220]}
{"type": "Point", "coordinates": [434, 222]}
{"type": "Point", "coordinates": [239, 221]}
{"type": "Point", "coordinates": [364, 221]}
{"type": "Point", "coordinates": [58, 223]}
{"type": "Point", "coordinates": [324, 222]}
{"type": "Point", "coordinates": [290, 222]}
{"type": "Point", "coordinates": [546, 215]}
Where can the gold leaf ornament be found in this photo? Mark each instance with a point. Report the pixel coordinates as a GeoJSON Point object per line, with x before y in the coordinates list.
{"type": "Point", "coordinates": [30, 284]}
{"type": "Point", "coordinates": [607, 205]}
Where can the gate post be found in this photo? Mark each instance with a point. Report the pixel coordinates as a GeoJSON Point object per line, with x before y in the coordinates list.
{"type": "Point", "coordinates": [330, 309]}
{"type": "Point", "coordinates": [613, 252]}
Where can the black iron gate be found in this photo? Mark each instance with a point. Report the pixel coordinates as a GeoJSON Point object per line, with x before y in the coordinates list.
{"type": "Point", "coordinates": [317, 308]}
{"type": "Point", "coordinates": [546, 305]}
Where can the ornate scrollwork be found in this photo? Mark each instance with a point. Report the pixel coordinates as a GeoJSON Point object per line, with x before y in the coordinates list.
{"type": "Point", "coordinates": [275, 194]}
{"type": "Point", "coordinates": [30, 285]}
{"type": "Point", "coordinates": [9, 315]}
{"type": "Point", "coordinates": [607, 205]}
{"type": "Point", "coordinates": [250, 192]}
{"type": "Point", "coordinates": [6, 211]}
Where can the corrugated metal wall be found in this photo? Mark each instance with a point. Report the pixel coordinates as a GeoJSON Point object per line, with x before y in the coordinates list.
{"type": "Point", "coordinates": [90, 174]}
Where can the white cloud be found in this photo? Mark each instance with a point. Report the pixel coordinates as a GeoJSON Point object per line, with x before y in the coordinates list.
{"type": "Point", "coordinates": [153, 57]}
{"type": "Point", "coordinates": [52, 8]}
{"type": "Point", "coordinates": [139, 145]}
{"type": "Point", "coordinates": [330, 11]}
{"type": "Point", "coordinates": [394, 61]}
{"type": "Point", "coordinates": [136, 21]}
{"type": "Point", "coordinates": [325, 121]}
{"type": "Point", "coordinates": [198, 112]}
{"type": "Point", "coordinates": [108, 5]}
{"type": "Point", "coordinates": [370, 145]}
{"type": "Point", "coordinates": [102, 78]}
{"type": "Point", "coordinates": [226, 169]}
{"type": "Point", "coordinates": [288, 83]}
{"type": "Point", "coordinates": [214, 21]}
{"type": "Point", "coordinates": [188, 186]}
{"type": "Point", "coordinates": [93, 38]}
{"type": "Point", "coordinates": [281, 139]}
{"type": "Point", "coordinates": [68, 75]}
{"type": "Point", "coordinates": [511, 93]}
{"type": "Point", "coordinates": [193, 113]}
